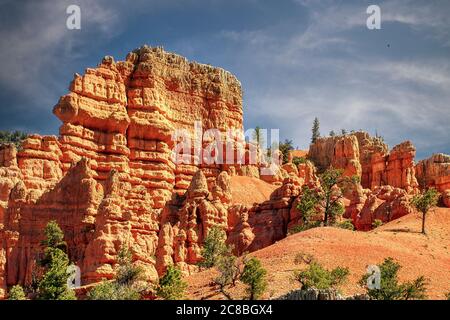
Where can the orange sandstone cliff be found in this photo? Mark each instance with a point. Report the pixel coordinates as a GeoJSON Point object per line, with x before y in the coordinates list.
{"type": "Point", "coordinates": [109, 178]}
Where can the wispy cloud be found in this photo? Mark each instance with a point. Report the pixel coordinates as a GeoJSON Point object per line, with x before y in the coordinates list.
{"type": "Point", "coordinates": [324, 70]}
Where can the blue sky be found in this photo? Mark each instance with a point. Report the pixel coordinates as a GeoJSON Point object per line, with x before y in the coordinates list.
{"type": "Point", "coordinates": [296, 59]}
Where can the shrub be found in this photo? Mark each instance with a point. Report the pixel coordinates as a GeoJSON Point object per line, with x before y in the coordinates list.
{"type": "Point", "coordinates": [355, 179]}
{"type": "Point", "coordinates": [316, 276]}
{"type": "Point", "coordinates": [126, 283]}
{"type": "Point", "coordinates": [229, 269]}
{"type": "Point", "coordinates": [346, 224]}
{"type": "Point", "coordinates": [127, 273]}
{"type": "Point", "coordinates": [447, 295]}
{"type": "Point", "coordinates": [304, 227]}
{"type": "Point", "coordinates": [54, 237]}
{"type": "Point", "coordinates": [105, 290]}
{"type": "Point", "coordinates": [254, 276]}
{"type": "Point", "coordinates": [377, 223]}
{"type": "Point", "coordinates": [15, 137]}
{"type": "Point", "coordinates": [171, 285]}
{"type": "Point", "coordinates": [390, 288]}
{"type": "Point", "coordinates": [111, 290]}
{"type": "Point", "coordinates": [299, 160]}
{"type": "Point", "coordinates": [16, 293]}
{"type": "Point", "coordinates": [213, 247]}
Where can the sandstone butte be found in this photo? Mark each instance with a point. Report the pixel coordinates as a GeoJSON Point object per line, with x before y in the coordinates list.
{"type": "Point", "coordinates": [108, 179]}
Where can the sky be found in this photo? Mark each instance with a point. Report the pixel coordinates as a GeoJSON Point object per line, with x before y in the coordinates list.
{"type": "Point", "coordinates": [296, 60]}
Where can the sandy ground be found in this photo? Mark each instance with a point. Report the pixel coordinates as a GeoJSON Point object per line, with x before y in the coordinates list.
{"type": "Point", "coordinates": [418, 254]}
{"type": "Point", "coordinates": [247, 190]}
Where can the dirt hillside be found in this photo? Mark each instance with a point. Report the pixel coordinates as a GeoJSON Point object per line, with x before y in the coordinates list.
{"type": "Point", "coordinates": [247, 190]}
{"type": "Point", "coordinates": [418, 254]}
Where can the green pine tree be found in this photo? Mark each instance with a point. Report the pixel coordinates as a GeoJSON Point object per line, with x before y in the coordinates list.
{"type": "Point", "coordinates": [423, 202]}
{"type": "Point", "coordinates": [254, 276]}
{"type": "Point", "coordinates": [390, 288]}
{"type": "Point", "coordinates": [171, 285]}
{"type": "Point", "coordinates": [329, 181]}
{"type": "Point", "coordinates": [126, 285]}
{"type": "Point", "coordinates": [213, 247]}
{"type": "Point", "coordinates": [285, 147]}
{"type": "Point", "coordinates": [317, 277]}
{"type": "Point", "coordinates": [53, 284]}
{"type": "Point", "coordinates": [315, 130]}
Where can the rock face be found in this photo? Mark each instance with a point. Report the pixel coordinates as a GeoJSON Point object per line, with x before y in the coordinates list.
{"type": "Point", "coordinates": [358, 154]}
{"type": "Point", "coordinates": [254, 227]}
{"type": "Point", "coordinates": [340, 152]}
{"type": "Point", "coordinates": [435, 172]}
{"type": "Point", "coordinates": [109, 179]}
{"type": "Point", "coordinates": [384, 203]}
{"type": "Point", "coordinates": [388, 179]}
{"type": "Point", "coordinates": [400, 170]}
{"type": "Point", "coordinates": [352, 153]}
{"type": "Point", "coordinates": [187, 220]}
{"type": "Point", "coordinates": [446, 198]}
{"type": "Point", "coordinates": [372, 156]}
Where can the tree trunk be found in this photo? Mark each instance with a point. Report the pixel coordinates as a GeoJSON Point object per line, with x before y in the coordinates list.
{"type": "Point", "coordinates": [423, 222]}
{"type": "Point", "coordinates": [327, 208]}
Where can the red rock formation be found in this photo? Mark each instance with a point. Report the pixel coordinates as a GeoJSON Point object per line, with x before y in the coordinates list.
{"type": "Point", "coordinates": [109, 178]}
{"type": "Point", "coordinates": [385, 203]}
{"type": "Point", "coordinates": [185, 223]}
{"type": "Point", "coordinates": [400, 170]}
{"type": "Point", "coordinates": [361, 155]}
{"type": "Point", "coordinates": [254, 227]}
{"type": "Point", "coordinates": [346, 156]}
{"type": "Point", "coordinates": [435, 172]}
{"type": "Point", "coordinates": [340, 152]}
{"type": "Point", "coordinates": [307, 172]}
{"type": "Point", "coordinates": [446, 198]}
{"type": "Point", "coordinates": [357, 196]}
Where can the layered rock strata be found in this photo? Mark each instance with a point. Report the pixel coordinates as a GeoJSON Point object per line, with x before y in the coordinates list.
{"type": "Point", "coordinates": [358, 154]}
{"type": "Point", "coordinates": [435, 172]}
{"type": "Point", "coordinates": [110, 176]}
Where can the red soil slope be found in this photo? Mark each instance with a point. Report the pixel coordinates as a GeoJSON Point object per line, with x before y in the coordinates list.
{"type": "Point", "coordinates": [418, 254]}
{"type": "Point", "coordinates": [247, 190]}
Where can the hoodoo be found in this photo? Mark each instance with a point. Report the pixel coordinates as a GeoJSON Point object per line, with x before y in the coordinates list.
{"type": "Point", "coordinates": [110, 180]}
